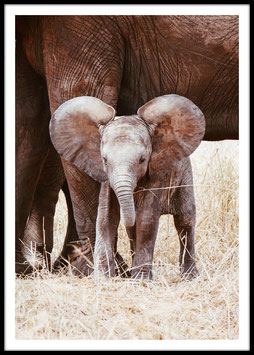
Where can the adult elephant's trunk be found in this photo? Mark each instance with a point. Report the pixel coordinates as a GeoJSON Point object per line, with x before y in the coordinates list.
{"type": "Point", "coordinates": [124, 192]}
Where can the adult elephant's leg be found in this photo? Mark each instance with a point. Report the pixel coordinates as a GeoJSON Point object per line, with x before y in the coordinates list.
{"type": "Point", "coordinates": [84, 192]}
{"type": "Point", "coordinates": [84, 62]}
{"type": "Point", "coordinates": [32, 140]}
{"type": "Point", "coordinates": [37, 243]}
{"type": "Point", "coordinates": [71, 233]}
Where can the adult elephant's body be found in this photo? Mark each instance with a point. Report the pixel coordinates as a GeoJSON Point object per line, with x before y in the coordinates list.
{"type": "Point", "coordinates": [124, 61]}
{"type": "Point", "coordinates": [128, 60]}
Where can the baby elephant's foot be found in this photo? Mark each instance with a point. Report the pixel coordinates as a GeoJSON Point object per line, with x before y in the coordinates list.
{"type": "Point", "coordinates": [143, 272]}
{"type": "Point", "coordinates": [189, 271]}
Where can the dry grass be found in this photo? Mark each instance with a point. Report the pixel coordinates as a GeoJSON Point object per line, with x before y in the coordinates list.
{"type": "Point", "coordinates": [66, 307]}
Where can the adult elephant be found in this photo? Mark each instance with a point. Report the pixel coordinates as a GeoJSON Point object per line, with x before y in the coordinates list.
{"type": "Point", "coordinates": [125, 61]}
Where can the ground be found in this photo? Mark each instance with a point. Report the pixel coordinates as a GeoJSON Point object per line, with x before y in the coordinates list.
{"type": "Point", "coordinates": [168, 308]}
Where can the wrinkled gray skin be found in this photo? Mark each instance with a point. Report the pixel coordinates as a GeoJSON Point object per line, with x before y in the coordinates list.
{"type": "Point", "coordinates": [125, 163]}
{"type": "Point", "coordinates": [124, 61]}
{"type": "Point", "coordinates": [129, 154]}
{"type": "Point", "coordinates": [35, 242]}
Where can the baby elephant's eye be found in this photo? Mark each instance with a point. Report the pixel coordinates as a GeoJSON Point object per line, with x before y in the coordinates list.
{"type": "Point", "coordinates": [105, 161]}
{"type": "Point", "coordinates": [142, 160]}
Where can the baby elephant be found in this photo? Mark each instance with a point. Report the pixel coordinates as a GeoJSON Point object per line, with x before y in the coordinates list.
{"type": "Point", "coordinates": [136, 158]}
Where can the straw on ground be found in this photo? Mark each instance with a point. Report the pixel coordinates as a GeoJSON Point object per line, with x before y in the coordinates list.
{"type": "Point", "coordinates": [67, 307]}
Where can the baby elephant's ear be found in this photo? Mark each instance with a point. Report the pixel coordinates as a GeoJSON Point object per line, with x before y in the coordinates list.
{"type": "Point", "coordinates": [74, 131]}
{"type": "Point", "coordinates": [178, 127]}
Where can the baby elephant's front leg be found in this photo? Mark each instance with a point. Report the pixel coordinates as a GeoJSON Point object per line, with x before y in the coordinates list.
{"type": "Point", "coordinates": [106, 232]}
{"type": "Point", "coordinates": [144, 235]}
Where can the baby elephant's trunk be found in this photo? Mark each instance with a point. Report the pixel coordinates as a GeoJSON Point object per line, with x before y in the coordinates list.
{"type": "Point", "coordinates": [124, 193]}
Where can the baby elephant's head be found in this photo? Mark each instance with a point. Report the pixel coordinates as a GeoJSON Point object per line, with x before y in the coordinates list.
{"type": "Point", "coordinates": [126, 147]}
{"type": "Point", "coordinates": [86, 132]}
